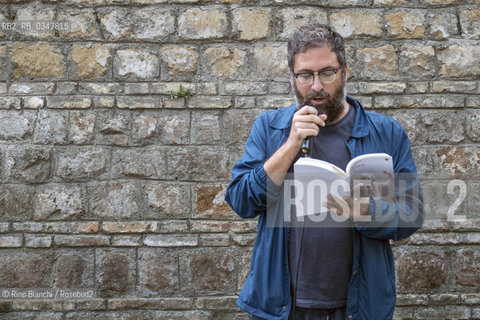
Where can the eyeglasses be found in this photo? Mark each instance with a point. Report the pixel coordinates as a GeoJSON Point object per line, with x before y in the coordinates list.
{"type": "Point", "coordinates": [325, 77]}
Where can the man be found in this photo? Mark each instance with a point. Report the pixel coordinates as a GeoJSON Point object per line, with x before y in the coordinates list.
{"type": "Point", "coordinates": [345, 272]}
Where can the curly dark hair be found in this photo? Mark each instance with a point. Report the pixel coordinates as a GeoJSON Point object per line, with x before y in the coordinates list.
{"type": "Point", "coordinates": [315, 36]}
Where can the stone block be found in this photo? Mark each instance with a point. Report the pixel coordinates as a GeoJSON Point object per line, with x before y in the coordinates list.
{"type": "Point", "coordinates": [74, 270]}
{"type": "Point", "coordinates": [171, 240]}
{"type": "Point", "coordinates": [116, 271]}
{"type": "Point", "coordinates": [158, 272]}
{"type": "Point", "coordinates": [470, 22]}
{"type": "Point", "coordinates": [443, 25]}
{"type": "Point", "coordinates": [81, 163]}
{"type": "Point", "coordinates": [207, 271]}
{"type": "Point", "coordinates": [15, 202]}
{"type": "Point", "coordinates": [467, 267]}
{"type": "Point", "coordinates": [210, 202]}
{"type": "Point", "coordinates": [127, 241]}
{"type": "Point", "coordinates": [82, 23]}
{"type": "Point", "coordinates": [209, 226]}
{"type": "Point", "coordinates": [457, 161]}
{"type": "Point", "coordinates": [115, 23]}
{"type": "Point", "coordinates": [81, 241]}
{"type": "Point", "coordinates": [172, 226]}
{"type": "Point", "coordinates": [214, 240]}
{"type": "Point", "coordinates": [10, 103]}
{"type": "Point", "coordinates": [378, 63]}
{"type": "Point", "coordinates": [136, 88]}
{"type": "Point", "coordinates": [35, 241]}
{"type": "Point", "coordinates": [458, 61]}
{"type": "Point", "coordinates": [135, 64]}
{"type": "Point", "coordinates": [406, 24]}
{"type": "Point", "coordinates": [417, 62]}
{"type": "Point", "coordinates": [91, 61]}
{"type": "Point", "coordinates": [59, 202]}
{"type": "Point", "coordinates": [420, 270]}
{"type": "Point", "coordinates": [113, 128]}
{"type": "Point", "coordinates": [443, 126]}
{"type": "Point", "coordinates": [294, 17]}
{"type": "Point", "coordinates": [51, 127]}
{"type": "Point", "coordinates": [127, 227]}
{"type": "Point", "coordinates": [34, 12]}
{"type": "Point", "coordinates": [33, 102]}
{"type": "Point", "coordinates": [68, 102]}
{"type": "Point", "coordinates": [441, 2]}
{"type": "Point", "coordinates": [237, 126]}
{"type": "Point", "coordinates": [251, 23]}
{"type": "Point", "coordinates": [103, 102]}
{"type": "Point", "coordinates": [180, 61]}
{"type": "Point", "coordinates": [3, 61]}
{"type": "Point", "coordinates": [25, 269]}
{"type": "Point", "coordinates": [205, 128]}
{"type": "Point", "coordinates": [11, 241]}
{"type": "Point", "coordinates": [28, 163]}
{"type": "Point", "coordinates": [198, 23]}
{"type": "Point", "coordinates": [209, 163]}
{"type": "Point", "coordinates": [82, 126]}
{"type": "Point", "coordinates": [31, 88]}
{"type": "Point", "coordinates": [443, 86]}
{"type": "Point", "coordinates": [37, 61]}
{"type": "Point", "coordinates": [271, 62]}
{"type": "Point", "coordinates": [392, 3]}
{"type": "Point", "coordinates": [16, 126]}
{"type": "Point", "coordinates": [169, 199]}
{"type": "Point", "coordinates": [138, 162]}
{"type": "Point", "coordinates": [352, 24]}
{"type": "Point", "coordinates": [145, 127]}
{"type": "Point", "coordinates": [225, 62]}
{"type": "Point", "coordinates": [117, 200]}
{"type": "Point", "coordinates": [180, 315]}
{"type": "Point", "coordinates": [244, 88]}
{"type": "Point", "coordinates": [150, 23]}
{"type": "Point", "coordinates": [140, 102]}
{"type": "Point", "coordinates": [209, 102]}
{"type": "Point", "coordinates": [473, 126]}
{"type": "Point", "coordinates": [244, 240]}
{"type": "Point", "coordinates": [109, 88]}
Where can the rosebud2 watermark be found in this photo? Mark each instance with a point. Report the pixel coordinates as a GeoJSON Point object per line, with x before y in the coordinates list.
{"type": "Point", "coordinates": [47, 294]}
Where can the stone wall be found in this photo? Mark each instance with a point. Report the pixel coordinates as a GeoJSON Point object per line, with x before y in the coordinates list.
{"type": "Point", "coordinates": [108, 183]}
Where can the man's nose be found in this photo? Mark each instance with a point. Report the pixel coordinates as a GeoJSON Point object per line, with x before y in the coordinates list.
{"type": "Point", "coordinates": [317, 85]}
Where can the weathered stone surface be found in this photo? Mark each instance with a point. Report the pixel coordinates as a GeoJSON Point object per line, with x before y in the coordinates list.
{"type": "Point", "coordinates": [197, 163]}
{"type": "Point", "coordinates": [171, 241]}
{"type": "Point", "coordinates": [208, 272]}
{"type": "Point", "coordinates": [3, 56]}
{"type": "Point", "coordinates": [417, 61]}
{"type": "Point", "coordinates": [117, 200]}
{"type": "Point", "coordinates": [457, 160]}
{"type": "Point", "coordinates": [205, 128]}
{"type": "Point", "coordinates": [91, 60]}
{"type": "Point", "coordinates": [293, 18]}
{"type": "Point", "coordinates": [443, 25]}
{"type": "Point", "coordinates": [181, 62]}
{"type": "Point", "coordinates": [139, 162]}
{"type": "Point", "coordinates": [406, 24]}
{"type": "Point", "coordinates": [210, 202]}
{"type": "Point", "coordinates": [379, 63]}
{"type": "Point", "coordinates": [15, 202]}
{"type": "Point", "coordinates": [34, 61]}
{"type": "Point", "coordinates": [81, 163]}
{"type": "Point", "coordinates": [420, 270]}
{"type": "Point", "coordinates": [271, 61]}
{"type": "Point", "coordinates": [81, 127]}
{"type": "Point", "coordinates": [115, 271]}
{"type": "Point", "coordinates": [59, 202]}
{"type": "Point", "coordinates": [223, 62]}
{"type": "Point", "coordinates": [443, 126]}
{"type": "Point", "coordinates": [251, 23]}
{"type": "Point", "coordinates": [473, 126]}
{"type": "Point", "coordinates": [35, 12]}
{"type": "Point", "coordinates": [149, 23]}
{"type": "Point", "coordinates": [50, 127]}
{"type": "Point", "coordinates": [73, 270]}
{"type": "Point", "coordinates": [145, 128]}
{"type": "Point", "coordinates": [171, 200]}
{"type": "Point", "coordinates": [33, 102]}
{"type": "Point", "coordinates": [209, 102]}
{"type": "Point", "coordinates": [113, 128]}
{"type": "Point", "coordinates": [34, 241]}
{"type": "Point", "coordinates": [24, 269]}
{"type": "Point", "coordinates": [467, 267]}
{"type": "Point", "coordinates": [356, 23]}
{"type": "Point", "coordinates": [116, 23]}
{"type": "Point", "coordinates": [16, 126]}
{"type": "Point", "coordinates": [28, 163]}
{"type": "Point", "coordinates": [134, 64]}
{"type": "Point", "coordinates": [158, 272]}
{"type": "Point", "coordinates": [457, 61]}
{"type": "Point", "coordinates": [470, 22]}
{"type": "Point", "coordinates": [82, 23]}
{"type": "Point", "coordinates": [200, 23]}
{"type": "Point", "coordinates": [68, 102]}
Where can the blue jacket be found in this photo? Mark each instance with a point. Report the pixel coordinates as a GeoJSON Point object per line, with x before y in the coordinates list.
{"type": "Point", "coordinates": [371, 293]}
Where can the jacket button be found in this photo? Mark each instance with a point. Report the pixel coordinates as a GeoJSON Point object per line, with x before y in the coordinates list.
{"type": "Point", "coordinates": [284, 307]}
{"type": "Point", "coordinates": [350, 317]}
{"type": "Point", "coordinates": [355, 272]}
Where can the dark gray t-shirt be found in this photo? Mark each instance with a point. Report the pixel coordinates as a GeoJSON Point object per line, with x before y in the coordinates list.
{"type": "Point", "coordinates": [325, 262]}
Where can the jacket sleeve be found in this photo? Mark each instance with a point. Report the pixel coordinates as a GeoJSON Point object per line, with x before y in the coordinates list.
{"type": "Point", "coordinates": [398, 219]}
{"type": "Point", "coordinates": [246, 193]}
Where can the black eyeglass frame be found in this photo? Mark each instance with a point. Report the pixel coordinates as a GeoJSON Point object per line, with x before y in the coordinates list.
{"type": "Point", "coordinates": [317, 73]}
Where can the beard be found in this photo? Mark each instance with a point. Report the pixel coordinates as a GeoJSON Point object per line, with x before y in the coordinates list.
{"type": "Point", "coordinates": [333, 105]}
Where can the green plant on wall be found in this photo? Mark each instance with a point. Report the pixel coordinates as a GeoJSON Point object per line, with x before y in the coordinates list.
{"type": "Point", "coordinates": [182, 92]}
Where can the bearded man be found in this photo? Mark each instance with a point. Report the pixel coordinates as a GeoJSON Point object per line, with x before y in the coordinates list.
{"type": "Point", "coordinates": [342, 272]}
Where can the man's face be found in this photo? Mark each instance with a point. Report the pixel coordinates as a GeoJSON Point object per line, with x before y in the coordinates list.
{"type": "Point", "coordinates": [326, 98]}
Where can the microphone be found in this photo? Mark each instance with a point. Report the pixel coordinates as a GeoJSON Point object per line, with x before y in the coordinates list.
{"type": "Point", "coordinates": [307, 143]}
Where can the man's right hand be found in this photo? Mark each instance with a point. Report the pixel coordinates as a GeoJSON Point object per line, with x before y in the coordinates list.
{"type": "Point", "coordinates": [305, 123]}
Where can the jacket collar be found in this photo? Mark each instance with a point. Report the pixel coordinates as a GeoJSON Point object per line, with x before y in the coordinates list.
{"type": "Point", "coordinates": [283, 119]}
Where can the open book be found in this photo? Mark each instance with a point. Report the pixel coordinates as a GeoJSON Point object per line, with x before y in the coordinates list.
{"type": "Point", "coordinates": [368, 175]}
